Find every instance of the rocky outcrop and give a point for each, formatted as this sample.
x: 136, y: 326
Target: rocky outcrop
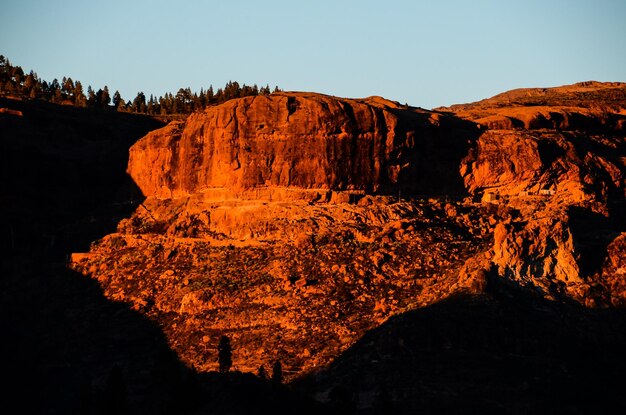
x: 303, y: 140
x: 575, y: 167
x: 293, y: 281
x: 556, y: 167
x: 296, y: 222
x: 539, y: 254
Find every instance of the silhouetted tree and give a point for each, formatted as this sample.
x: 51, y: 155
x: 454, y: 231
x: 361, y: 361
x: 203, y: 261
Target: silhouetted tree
x: 30, y: 84
x: 262, y: 373
x: 150, y: 109
x: 277, y: 372
x: 54, y: 85
x: 14, y: 82
x: 54, y: 91
x: 79, y: 96
x: 105, y: 99
x: 117, y: 99
x: 91, y: 97
x: 183, y: 99
x: 139, y: 103
x: 17, y: 74
x: 224, y: 354
x: 67, y: 89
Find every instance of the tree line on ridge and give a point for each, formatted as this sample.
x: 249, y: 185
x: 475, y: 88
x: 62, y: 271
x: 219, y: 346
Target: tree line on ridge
x: 14, y: 82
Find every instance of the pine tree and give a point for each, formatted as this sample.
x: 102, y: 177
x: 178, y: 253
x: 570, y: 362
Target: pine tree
x: 277, y: 372
x: 117, y: 99
x: 91, y: 97
x: 139, y: 103
x: 210, y: 96
x: 150, y: 108
x: 31, y: 85
x: 30, y: 81
x: 98, y: 102
x: 67, y: 88
x: 79, y: 96
x: 17, y: 74
x: 54, y: 90
x: 224, y: 354
x: 105, y: 100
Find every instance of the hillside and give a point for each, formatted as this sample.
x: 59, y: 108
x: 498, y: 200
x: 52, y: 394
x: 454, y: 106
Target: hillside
x: 393, y: 259
x: 298, y: 223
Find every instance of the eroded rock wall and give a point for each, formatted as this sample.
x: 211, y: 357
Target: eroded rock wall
x: 303, y: 140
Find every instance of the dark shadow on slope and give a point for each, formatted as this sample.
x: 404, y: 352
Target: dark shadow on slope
x: 611, y: 148
x: 245, y: 393
x: 64, y: 172
x: 504, y: 353
x: 592, y: 233
x: 68, y: 349
x: 63, y: 169
x: 430, y: 161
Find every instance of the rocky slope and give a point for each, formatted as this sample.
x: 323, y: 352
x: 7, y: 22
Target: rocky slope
x: 583, y: 106
x: 296, y: 223
x: 566, y: 182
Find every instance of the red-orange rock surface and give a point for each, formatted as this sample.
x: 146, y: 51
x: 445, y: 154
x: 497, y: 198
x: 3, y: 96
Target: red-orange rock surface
x: 271, y: 219
x: 301, y: 139
x: 583, y: 106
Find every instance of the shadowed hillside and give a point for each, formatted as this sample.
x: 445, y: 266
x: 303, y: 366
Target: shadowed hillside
x: 392, y: 259
x: 68, y: 349
x: 504, y: 352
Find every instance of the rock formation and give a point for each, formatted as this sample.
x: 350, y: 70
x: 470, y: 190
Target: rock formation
x: 304, y: 140
x: 296, y: 222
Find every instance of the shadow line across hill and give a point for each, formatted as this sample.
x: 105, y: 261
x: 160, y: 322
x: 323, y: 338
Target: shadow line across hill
x: 65, y: 345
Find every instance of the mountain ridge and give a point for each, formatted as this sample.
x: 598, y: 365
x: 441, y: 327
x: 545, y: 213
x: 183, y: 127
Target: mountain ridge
x: 276, y: 192
x: 515, y: 228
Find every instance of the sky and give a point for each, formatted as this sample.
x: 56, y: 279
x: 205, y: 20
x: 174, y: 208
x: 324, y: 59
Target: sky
x: 423, y: 53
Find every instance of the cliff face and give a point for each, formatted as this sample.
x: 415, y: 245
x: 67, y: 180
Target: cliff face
x: 297, y: 222
x: 576, y: 166
x: 559, y: 168
x: 304, y: 140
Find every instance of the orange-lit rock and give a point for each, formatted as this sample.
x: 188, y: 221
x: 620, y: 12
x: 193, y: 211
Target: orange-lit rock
x: 304, y: 140
x: 573, y: 166
x: 299, y: 221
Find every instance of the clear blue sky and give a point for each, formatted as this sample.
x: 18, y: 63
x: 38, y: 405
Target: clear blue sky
x: 425, y: 53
